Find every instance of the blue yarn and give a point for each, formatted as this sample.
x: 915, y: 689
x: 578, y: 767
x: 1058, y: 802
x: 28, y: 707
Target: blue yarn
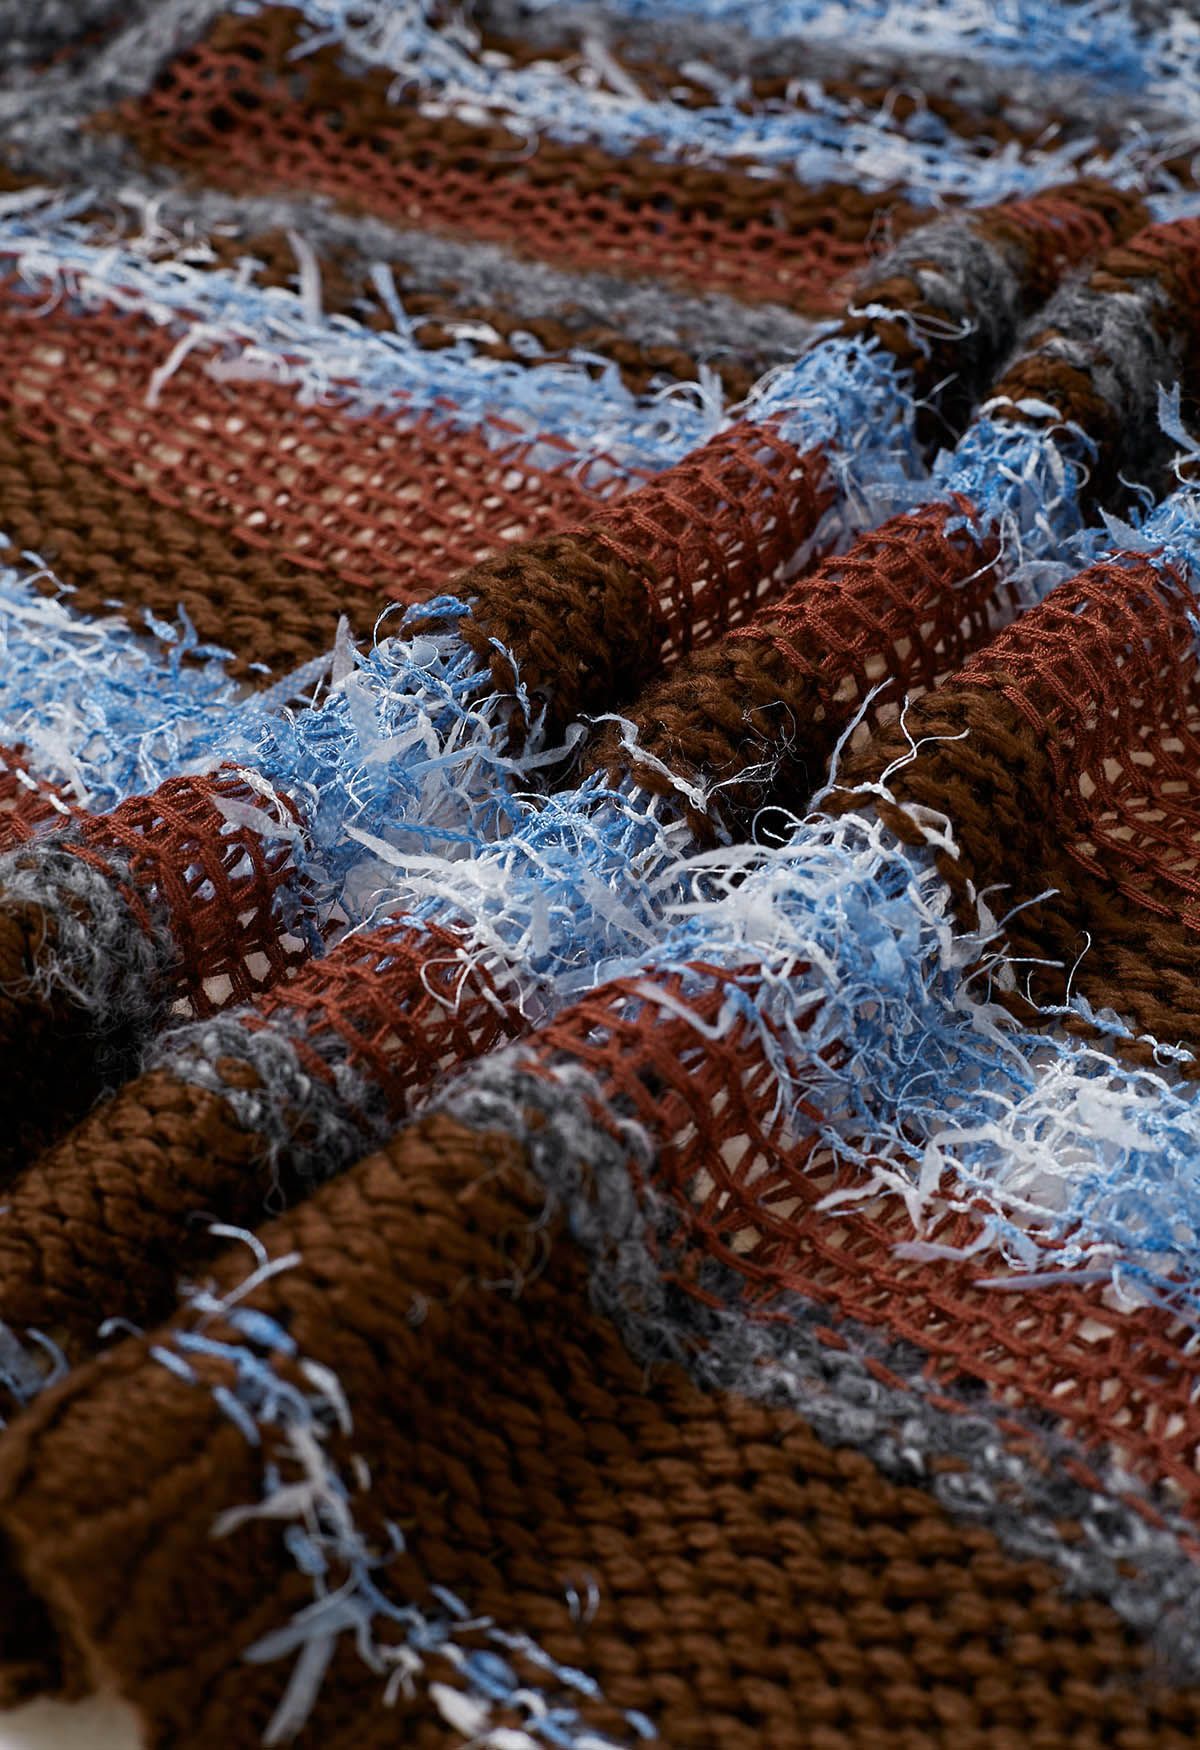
x: 575, y: 891
x: 875, y: 1012
x: 248, y: 331
x: 405, y: 750
x: 1100, y: 41
x: 850, y: 395
x: 105, y: 712
x: 1025, y: 483
x: 826, y: 140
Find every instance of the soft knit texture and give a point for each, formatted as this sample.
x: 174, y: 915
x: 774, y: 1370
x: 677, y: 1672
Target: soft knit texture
x: 600, y: 871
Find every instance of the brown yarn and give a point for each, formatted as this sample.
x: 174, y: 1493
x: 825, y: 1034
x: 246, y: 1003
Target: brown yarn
x: 747, y: 1575
x: 594, y: 612
x: 263, y: 519
x: 581, y: 621
x: 104, y: 1224
x: 402, y: 1006
x: 116, y: 1214
x: 713, y: 533
x: 53, y: 1066
x: 308, y: 122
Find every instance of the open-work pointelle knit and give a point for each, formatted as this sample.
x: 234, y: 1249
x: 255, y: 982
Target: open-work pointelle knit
x: 599, y: 884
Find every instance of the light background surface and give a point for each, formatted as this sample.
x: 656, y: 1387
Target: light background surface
x: 53, y: 1725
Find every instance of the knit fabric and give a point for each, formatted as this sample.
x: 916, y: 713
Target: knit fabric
x: 600, y: 871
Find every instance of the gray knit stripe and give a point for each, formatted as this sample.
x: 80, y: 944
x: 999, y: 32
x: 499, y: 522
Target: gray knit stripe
x: 311, y: 1128
x: 970, y: 280
x: 1118, y: 340
x: 122, y: 67
x: 478, y: 274
x: 103, y: 961
x: 1142, y: 1571
x: 33, y: 30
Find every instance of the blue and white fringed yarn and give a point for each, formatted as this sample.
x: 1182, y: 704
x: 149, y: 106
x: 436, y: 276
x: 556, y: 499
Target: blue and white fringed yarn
x: 406, y: 747
x: 873, y: 1008
x: 847, y: 397
x: 1103, y: 42
x: 600, y: 102
x: 104, y: 712
x: 250, y: 333
x: 576, y: 890
x: 409, y: 749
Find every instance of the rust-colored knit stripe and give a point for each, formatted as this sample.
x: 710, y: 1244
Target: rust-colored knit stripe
x: 747, y: 1575
x: 906, y: 603
x: 758, y: 237
x: 1078, y: 774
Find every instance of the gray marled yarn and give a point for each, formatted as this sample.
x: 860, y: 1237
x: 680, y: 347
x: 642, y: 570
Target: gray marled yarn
x: 1142, y: 1571
x: 34, y: 30
x: 1114, y: 338
x: 711, y: 324
x: 59, y: 98
x: 316, y: 1127
x: 968, y: 279
x: 103, y: 960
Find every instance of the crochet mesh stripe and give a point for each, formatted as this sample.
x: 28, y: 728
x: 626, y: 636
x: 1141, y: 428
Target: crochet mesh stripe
x: 230, y: 110
x: 600, y: 872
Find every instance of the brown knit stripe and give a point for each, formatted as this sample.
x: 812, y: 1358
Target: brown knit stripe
x: 108, y: 1218
x: 101, y: 1226
x: 758, y: 237
x: 747, y: 1575
x: 40, y: 1032
x: 263, y: 519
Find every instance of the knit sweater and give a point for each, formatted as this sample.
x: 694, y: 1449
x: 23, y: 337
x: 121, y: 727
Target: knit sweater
x: 600, y: 871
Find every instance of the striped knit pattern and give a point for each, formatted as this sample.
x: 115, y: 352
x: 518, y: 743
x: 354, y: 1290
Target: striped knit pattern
x: 600, y: 871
